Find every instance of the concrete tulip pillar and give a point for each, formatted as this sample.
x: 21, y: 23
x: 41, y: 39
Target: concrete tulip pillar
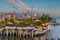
x: 32, y: 32
x: 7, y: 32
x: 16, y: 32
x: 20, y: 33
x: 26, y: 34
x: 1, y: 33
x: 10, y: 33
x: 13, y: 32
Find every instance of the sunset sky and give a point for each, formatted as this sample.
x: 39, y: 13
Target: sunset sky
x: 51, y: 7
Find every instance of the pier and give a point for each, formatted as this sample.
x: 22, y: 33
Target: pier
x: 20, y: 31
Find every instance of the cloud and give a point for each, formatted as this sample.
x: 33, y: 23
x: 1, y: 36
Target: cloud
x: 19, y: 4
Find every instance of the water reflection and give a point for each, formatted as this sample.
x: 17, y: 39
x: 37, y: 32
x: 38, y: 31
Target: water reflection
x: 45, y: 36
x: 18, y: 38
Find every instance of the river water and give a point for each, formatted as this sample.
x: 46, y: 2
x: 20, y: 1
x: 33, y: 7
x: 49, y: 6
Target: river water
x: 49, y: 35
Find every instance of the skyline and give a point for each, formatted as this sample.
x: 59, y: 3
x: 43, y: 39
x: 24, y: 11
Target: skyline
x: 42, y: 6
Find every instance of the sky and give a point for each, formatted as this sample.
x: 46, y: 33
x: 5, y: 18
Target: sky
x: 51, y: 7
